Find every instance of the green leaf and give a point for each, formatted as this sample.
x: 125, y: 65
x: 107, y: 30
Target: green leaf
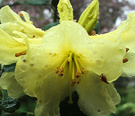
x: 50, y: 25
x: 28, y: 104
x: 127, y: 109
x: 8, y: 68
x: 9, y: 104
x: 0, y: 70
x: 1, y: 93
x: 34, y: 2
x: 20, y: 114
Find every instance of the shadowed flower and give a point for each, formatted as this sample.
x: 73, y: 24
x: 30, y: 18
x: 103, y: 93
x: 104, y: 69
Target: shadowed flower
x: 67, y: 60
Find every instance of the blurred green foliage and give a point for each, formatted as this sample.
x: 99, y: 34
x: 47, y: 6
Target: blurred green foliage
x: 8, y: 68
x: 33, y: 2
x: 8, y: 104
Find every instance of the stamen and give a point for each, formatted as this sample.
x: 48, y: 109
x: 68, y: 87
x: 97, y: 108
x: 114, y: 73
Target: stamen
x: 20, y: 14
x: 73, y: 82
x: 103, y: 78
x: 62, y: 69
x: 83, y: 70
x: 78, y: 74
x: 20, y: 53
x: 75, y: 20
x: 78, y: 81
x: 127, y: 49
x: 60, y: 74
x: 73, y: 64
x: 78, y: 71
x: 125, y: 60
x: 63, y: 65
x: 79, y: 61
x: 56, y: 70
x: 93, y: 32
x: 70, y: 57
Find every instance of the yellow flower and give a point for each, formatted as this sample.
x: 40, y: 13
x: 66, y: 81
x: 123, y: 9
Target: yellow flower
x: 14, y: 31
x: 126, y: 30
x: 66, y: 60
x: 128, y: 37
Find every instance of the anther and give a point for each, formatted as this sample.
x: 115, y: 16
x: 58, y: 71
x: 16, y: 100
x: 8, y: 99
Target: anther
x: 56, y: 70
x: 125, y: 60
x: 83, y: 70
x: 75, y: 20
x: 73, y: 82
x: 78, y: 74
x: 103, y: 78
x: 62, y: 69
x: 60, y: 74
x: 93, y: 32
x: 78, y: 81
x: 20, y: 53
x: 127, y: 49
x: 20, y: 14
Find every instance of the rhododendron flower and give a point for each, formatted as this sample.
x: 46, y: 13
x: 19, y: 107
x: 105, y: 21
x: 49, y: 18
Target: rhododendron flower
x: 66, y: 60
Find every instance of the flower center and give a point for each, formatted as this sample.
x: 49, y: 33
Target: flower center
x: 73, y: 64
x: 75, y: 67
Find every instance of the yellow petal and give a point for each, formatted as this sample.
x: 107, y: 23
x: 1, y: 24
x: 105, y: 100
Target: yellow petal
x: 68, y: 36
x: 36, y: 74
x: 8, y: 82
x: 25, y: 15
x: 10, y: 27
x: 128, y: 37
x: 8, y: 48
x: 10, y: 17
x: 95, y: 97
x: 51, y: 92
x: 22, y: 38
x: 106, y: 56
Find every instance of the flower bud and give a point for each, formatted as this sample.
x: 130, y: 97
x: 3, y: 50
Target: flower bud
x: 89, y: 17
x: 65, y: 10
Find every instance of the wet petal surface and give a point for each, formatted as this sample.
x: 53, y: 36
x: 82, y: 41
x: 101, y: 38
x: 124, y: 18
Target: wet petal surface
x: 96, y: 98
